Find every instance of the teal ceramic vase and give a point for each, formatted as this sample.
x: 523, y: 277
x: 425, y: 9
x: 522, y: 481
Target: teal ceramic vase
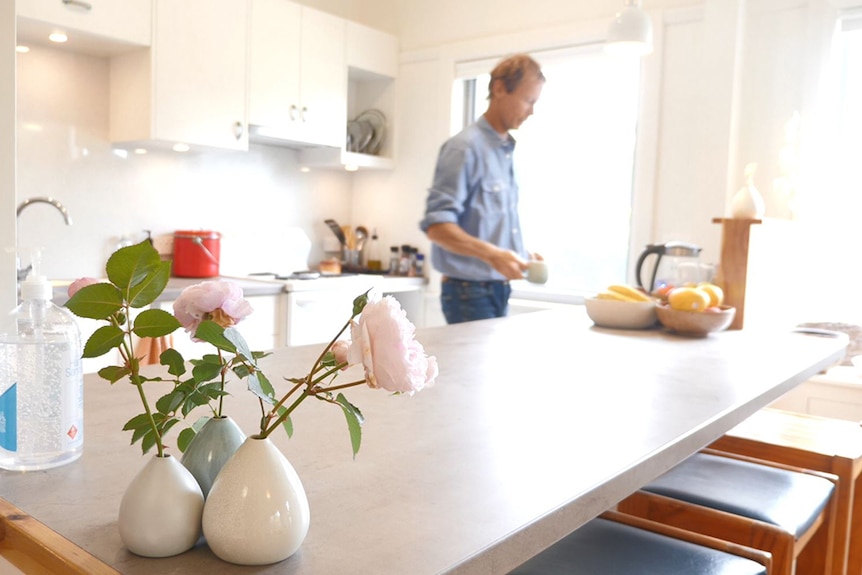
x: 210, y: 449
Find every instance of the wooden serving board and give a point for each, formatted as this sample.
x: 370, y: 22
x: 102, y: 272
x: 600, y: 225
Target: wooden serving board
x: 28, y: 546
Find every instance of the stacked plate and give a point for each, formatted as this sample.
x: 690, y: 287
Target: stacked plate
x: 365, y: 134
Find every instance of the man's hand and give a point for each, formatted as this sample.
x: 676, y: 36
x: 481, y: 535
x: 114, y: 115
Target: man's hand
x: 454, y: 239
x: 508, y: 263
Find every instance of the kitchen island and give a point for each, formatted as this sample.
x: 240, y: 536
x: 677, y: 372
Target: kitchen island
x: 536, y: 424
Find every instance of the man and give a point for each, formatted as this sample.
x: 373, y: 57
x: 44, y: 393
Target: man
x: 471, y: 214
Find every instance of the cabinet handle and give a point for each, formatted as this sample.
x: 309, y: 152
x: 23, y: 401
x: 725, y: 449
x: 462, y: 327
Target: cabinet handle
x: 302, y: 115
x: 238, y: 131
x: 78, y: 4
x: 292, y: 112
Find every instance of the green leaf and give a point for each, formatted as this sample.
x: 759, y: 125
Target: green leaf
x: 354, y: 421
x: 174, y: 360
x: 170, y: 402
x: 97, y: 301
x: 239, y: 344
x: 148, y: 442
x: 211, y: 332
x: 151, y: 287
x: 287, y: 424
x: 259, y: 385
x: 155, y: 323
x: 185, y: 438
x: 114, y: 373
x: 202, y: 395
x: 139, y: 273
x: 206, y: 371
x: 136, y: 422
x: 103, y: 340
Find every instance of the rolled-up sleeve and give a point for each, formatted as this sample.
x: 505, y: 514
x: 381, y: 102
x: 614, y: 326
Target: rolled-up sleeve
x: 450, y: 189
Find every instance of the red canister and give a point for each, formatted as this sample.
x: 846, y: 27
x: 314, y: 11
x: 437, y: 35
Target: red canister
x: 196, y: 254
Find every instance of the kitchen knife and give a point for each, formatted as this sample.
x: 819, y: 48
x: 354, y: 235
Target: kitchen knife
x: 336, y: 229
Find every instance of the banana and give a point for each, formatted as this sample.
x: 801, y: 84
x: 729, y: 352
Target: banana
x: 629, y: 292
x: 613, y: 296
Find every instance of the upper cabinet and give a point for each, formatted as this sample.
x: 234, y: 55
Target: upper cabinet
x: 190, y: 87
x: 297, y: 75
x: 372, y: 67
x: 100, y: 27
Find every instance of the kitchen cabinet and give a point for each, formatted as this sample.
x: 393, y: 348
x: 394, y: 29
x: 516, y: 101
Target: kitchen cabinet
x: 372, y: 69
x: 297, y: 74
x: 190, y: 87
x: 96, y: 26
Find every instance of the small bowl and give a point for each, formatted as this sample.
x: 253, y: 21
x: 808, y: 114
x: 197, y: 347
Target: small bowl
x: 695, y: 323
x: 621, y: 314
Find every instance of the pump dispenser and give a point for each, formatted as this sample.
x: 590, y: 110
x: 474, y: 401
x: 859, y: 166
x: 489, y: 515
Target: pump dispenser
x: 41, y: 383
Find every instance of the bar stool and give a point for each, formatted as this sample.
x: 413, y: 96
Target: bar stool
x: 818, y: 443
x: 788, y: 512
x: 618, y: 544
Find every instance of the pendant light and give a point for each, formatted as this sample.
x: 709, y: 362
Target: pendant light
x: 630, y: 32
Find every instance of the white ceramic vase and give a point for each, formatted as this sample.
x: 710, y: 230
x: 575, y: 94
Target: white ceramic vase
x: 160, y: 513
x: 257, y: 511
x: 210, y: 449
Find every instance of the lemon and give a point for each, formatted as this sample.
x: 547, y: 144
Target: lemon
x: 688, y: 299
x: 716, y: 294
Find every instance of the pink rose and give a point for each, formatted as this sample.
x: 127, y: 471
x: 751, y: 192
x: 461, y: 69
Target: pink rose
x: 339, y: 350
x: 219, y: 301
x: 79, y: 283
x: 383, y: 342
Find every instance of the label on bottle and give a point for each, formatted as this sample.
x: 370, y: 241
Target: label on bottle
x: 9, y: 419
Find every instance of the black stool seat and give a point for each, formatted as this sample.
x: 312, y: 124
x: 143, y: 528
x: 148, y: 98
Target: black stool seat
x: 603, y: 547
x: 788, y: 499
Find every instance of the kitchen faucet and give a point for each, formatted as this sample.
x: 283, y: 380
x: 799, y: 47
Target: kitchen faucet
x: 22, y: 273
x: 60, y: 207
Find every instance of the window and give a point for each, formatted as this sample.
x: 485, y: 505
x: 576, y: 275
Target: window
x: 830, y: 174
x: 574, y: 162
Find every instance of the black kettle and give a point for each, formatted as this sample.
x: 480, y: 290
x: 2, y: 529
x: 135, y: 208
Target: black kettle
x: 666, y: 269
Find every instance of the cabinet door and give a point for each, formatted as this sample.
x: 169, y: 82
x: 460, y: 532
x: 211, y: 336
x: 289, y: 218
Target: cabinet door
x: 324, y: 78
x: 129, y: 21
x: 199, y: 69
x: 274, y: 66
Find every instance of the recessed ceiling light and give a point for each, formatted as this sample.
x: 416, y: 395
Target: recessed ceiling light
x: 140, y: 151
x: 181, y: 147
x: 58, y: 37
x: 351, y: 167
x: 22, y: 49
x: 304, y: 169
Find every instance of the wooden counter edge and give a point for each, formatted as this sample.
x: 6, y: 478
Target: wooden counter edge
x: 32, y: 547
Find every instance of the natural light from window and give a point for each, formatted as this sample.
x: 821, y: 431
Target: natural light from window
x: 574, y: 162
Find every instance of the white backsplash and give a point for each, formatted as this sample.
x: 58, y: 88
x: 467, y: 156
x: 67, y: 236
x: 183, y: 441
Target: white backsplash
x: 258, y: 200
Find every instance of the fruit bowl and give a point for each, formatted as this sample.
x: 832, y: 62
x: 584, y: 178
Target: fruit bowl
x: 695, y: 323
x: 621, y: 314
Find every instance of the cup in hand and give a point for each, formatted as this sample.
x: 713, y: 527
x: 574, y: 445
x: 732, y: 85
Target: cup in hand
x: 537, y: 272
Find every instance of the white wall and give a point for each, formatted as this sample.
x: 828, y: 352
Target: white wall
x: 8, y: 296
x: 255, y: 199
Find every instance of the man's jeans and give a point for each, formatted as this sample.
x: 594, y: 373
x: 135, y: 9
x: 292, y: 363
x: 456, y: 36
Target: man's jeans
x: 464, y: 300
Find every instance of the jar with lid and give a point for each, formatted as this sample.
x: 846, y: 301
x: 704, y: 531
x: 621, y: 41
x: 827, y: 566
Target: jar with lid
x: 394, y: 260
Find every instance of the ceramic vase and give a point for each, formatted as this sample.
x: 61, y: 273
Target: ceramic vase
x: 257, y: 511
x: 160, y: 513
x: 210, y: 449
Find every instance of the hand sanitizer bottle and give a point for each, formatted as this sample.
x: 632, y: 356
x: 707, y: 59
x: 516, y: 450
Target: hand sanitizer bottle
x: 41, y: 383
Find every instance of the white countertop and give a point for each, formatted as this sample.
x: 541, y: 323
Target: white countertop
x: 537, y: 423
